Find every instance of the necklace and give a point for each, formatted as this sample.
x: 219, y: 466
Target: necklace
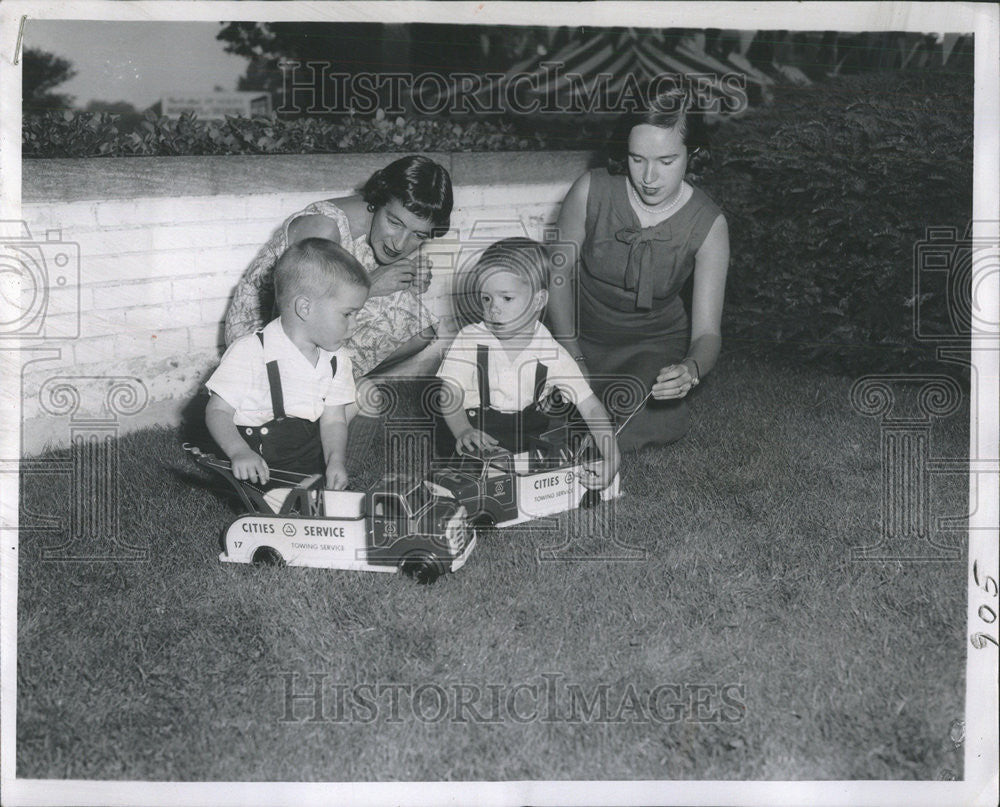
x: 666, y: 208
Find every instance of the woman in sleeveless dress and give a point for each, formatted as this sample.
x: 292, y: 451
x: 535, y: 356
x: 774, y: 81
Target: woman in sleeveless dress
x: 631, y: 238
x: 400, y: 207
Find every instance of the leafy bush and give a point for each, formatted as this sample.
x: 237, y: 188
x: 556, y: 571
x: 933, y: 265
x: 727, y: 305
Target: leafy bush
x: 89, y: 134
x: 828, y: 192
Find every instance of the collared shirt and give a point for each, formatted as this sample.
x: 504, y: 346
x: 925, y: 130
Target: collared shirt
x: 241, y: 378
x: 511, y: 381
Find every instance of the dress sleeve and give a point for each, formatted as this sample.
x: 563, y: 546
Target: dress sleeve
x: 255, y: 290
x: 245, y: 315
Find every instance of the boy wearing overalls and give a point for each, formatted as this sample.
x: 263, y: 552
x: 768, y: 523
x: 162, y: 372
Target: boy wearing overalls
x: 498, y: 373
x: 282, y: 397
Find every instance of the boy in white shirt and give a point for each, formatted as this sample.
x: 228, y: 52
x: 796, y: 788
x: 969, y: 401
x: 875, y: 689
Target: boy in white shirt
x: 282, y: 397
x: 498, y: 373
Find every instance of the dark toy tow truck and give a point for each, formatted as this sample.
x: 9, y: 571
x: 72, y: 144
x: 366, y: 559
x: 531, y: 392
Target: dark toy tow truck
x: 398, y: 524
x: 499, y: 488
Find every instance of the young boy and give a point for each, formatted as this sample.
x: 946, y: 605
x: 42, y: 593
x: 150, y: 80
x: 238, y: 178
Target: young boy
x: 280, y: 397
x: 498, y: 373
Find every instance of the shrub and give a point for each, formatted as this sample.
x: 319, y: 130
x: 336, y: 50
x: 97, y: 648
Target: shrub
x: 92, y: 134
x: 827, y: 193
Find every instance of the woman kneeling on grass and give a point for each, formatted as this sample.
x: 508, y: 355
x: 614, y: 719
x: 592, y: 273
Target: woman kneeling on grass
x: 635, y: 233
x: 400, y: 207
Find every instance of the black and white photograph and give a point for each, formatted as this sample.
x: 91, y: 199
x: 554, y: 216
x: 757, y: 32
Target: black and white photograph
x: 499, y: 403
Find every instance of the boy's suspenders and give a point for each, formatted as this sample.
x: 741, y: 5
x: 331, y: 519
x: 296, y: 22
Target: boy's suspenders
x: 483, y: 378
x: 274, y: 382
x: 541, y: 376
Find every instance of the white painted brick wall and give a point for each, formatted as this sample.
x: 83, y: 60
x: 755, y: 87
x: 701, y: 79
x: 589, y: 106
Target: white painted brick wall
x: 155, y: 278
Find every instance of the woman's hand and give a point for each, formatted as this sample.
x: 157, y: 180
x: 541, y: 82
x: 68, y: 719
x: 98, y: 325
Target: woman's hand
x: 406, y: 273
x: 674, y: 381
x: 391, y: 278
x: 421, y: 275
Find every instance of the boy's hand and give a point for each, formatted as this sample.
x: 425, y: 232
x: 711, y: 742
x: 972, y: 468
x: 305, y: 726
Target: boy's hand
x: 597, y: 475
x: 472, y: 439
x: 336, y: 475
x: 249, y: 466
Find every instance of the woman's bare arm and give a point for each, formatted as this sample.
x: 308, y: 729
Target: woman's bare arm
x: 565, y: 257
x: 710, y: 269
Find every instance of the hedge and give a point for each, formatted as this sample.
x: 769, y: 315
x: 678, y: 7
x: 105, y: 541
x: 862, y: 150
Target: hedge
x: 93, y: 134
x: 828, y: 195
x: 829, y: 192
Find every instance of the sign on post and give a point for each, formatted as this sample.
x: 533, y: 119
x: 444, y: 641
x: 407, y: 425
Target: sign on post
x: 216, y: 105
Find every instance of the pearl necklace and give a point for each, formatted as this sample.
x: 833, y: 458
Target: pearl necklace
x: 654, y: 210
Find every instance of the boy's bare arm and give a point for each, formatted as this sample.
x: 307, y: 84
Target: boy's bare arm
x: 247, y: 463
x: 604, y: 435
x: 333, y: 434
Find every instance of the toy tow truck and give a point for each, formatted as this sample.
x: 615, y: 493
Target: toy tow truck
x: 500, y: 488
x: 399, y: 524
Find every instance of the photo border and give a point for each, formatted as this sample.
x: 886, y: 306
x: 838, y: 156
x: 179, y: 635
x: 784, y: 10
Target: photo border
x: 979, y: 785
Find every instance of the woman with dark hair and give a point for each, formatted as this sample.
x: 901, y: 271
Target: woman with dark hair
x: 631, y: 237
x: 400, y: 206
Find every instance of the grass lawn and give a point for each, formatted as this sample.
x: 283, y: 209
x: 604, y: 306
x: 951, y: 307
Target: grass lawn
x: 767, y: 651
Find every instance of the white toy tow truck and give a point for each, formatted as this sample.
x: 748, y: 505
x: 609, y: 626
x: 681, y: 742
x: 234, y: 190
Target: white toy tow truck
x: 399, y: 524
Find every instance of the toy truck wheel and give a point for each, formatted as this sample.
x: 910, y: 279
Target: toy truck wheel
x: 591, y: 499
x: 484, y: 519
x: 267, y: 556
x: 422, y: 566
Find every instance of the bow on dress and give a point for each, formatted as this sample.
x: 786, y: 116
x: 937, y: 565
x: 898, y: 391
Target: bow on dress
x: 639, y: 269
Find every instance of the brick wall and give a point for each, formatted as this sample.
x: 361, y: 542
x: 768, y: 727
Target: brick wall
x: 128, y: 332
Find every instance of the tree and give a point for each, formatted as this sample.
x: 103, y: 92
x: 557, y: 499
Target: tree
x: 112, y: 107
x: 346, y: 49
x: 41, y: 72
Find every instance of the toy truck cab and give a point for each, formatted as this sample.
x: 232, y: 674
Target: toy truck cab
x: 414, y: 527
x: 398, y: 524
x: 502, y: 489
